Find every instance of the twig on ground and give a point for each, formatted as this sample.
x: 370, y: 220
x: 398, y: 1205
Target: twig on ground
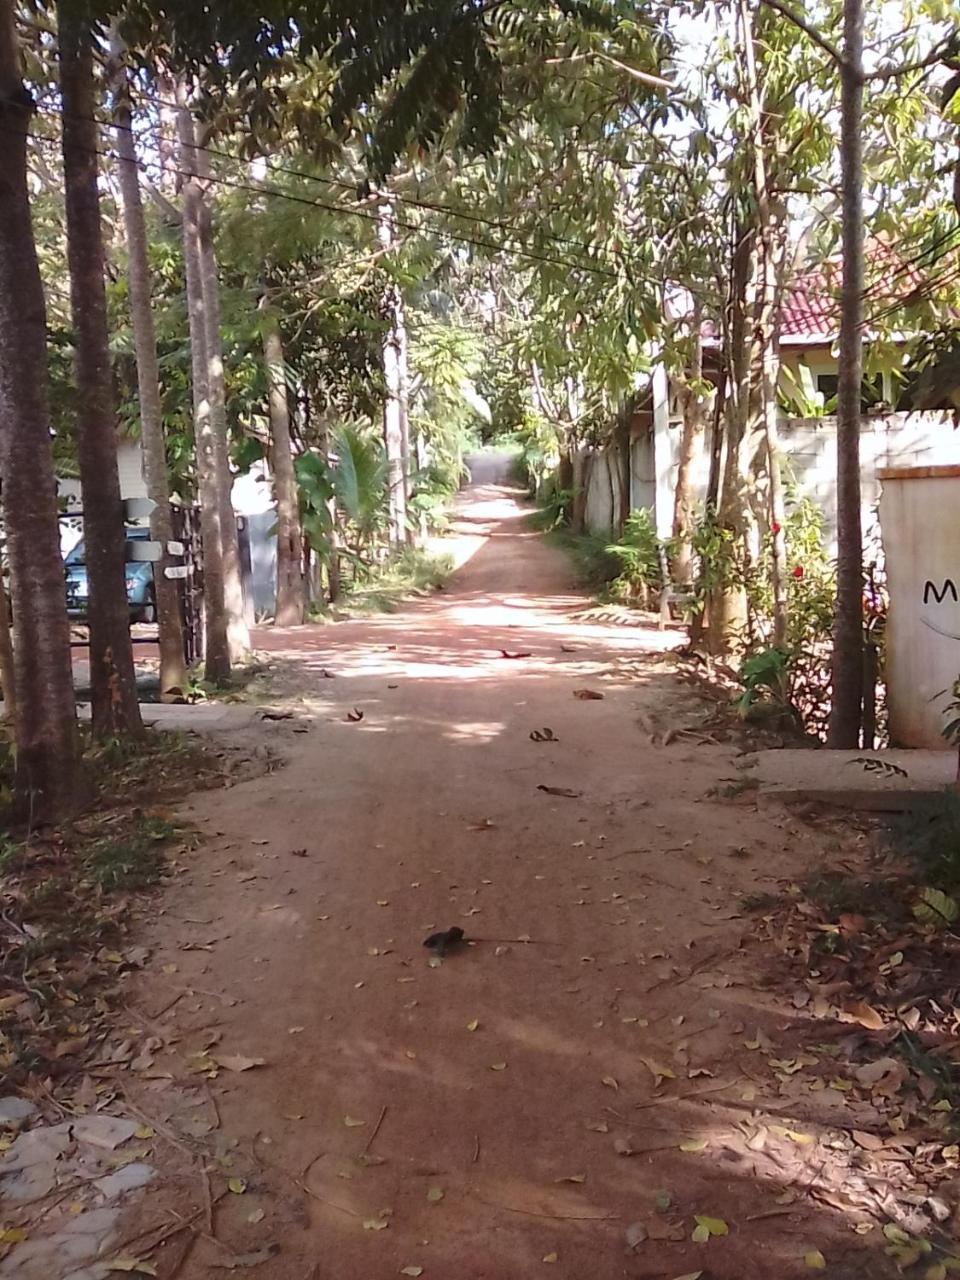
x: 556, y: 1217
x: 376, y: 1130
x: 683, y: 1097
x: 476, y: 1147
x: 207, y: 1198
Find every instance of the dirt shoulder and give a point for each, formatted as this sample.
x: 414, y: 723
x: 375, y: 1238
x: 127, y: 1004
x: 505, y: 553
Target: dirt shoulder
x: 614, y: 1078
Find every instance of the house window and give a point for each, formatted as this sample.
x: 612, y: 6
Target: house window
x: 871, y: 391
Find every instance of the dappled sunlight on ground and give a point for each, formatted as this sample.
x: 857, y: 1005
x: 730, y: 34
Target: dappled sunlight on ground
x: 601, y: 1065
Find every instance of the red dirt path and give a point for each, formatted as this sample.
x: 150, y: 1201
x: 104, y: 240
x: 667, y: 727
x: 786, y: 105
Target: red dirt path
x: 624, y: 1019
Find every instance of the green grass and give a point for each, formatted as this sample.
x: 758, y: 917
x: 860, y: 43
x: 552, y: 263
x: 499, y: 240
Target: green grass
x: 595, y: 565
x: 385, y: 588
x: 133, y: 860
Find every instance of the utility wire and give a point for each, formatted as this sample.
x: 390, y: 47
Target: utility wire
x: 274, y: 168
x: 273, y: 192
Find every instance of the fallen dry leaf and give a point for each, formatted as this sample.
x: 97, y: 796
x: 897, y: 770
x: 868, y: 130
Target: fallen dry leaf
x: 435, y: 1195
x: 411, y: 1271
x: 133, y: 1266
x: 352, y: 1123
x: 236, y: 1061
x: 588, y: 695
x: 864, y: 1014
x: 567, y: 792
x: 551, y: 1257
x: 815, y: 1260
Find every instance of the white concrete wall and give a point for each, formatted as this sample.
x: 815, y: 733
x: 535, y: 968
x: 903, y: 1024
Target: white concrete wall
x: 921, y: 538
x: 809, y: 452
x: 599, y: 516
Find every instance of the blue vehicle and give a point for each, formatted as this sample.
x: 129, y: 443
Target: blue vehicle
x: 141, y: 594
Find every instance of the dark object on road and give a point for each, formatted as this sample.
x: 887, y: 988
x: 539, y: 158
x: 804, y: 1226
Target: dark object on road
x: 560, y: 791
x: 355, y: 716
x: 276, y: 715
x: 505, y: 653
x: 444, y: 941
x: 588, y: 695
x: 543, y: 735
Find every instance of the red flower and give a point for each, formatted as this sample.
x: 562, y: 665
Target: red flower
x: 774, y: 528
x: 798, y: 571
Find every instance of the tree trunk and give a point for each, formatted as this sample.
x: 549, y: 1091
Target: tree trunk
x: 578, y: 516
x: 393, y: 404
x: 691, y: 440
x: 8, y: 678
x: 772, y: 235
x: 403, y: 353
x: 217, y: 645
x: 173, y: 672
x: 290, y: 604
x: 115, y: 710
x: 47, y: 760
x: 845, y: 712
x: 237, y: 632
x: 727, y: 604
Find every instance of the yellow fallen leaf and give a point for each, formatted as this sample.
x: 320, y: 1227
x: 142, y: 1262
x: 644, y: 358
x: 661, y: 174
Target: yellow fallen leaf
x: 258, y: 1215
x: 551, y: 1257
x: 936, y: 1271
x: 12, y: 1235
x: 144, y: 1132
x: 815, y: 1260
x: 435, y: 1195
x: 712, y: 1226
x: 411, y: 1271
x: 473, y: 1024
x: 375, y: 1224
x: 694, y: 1145
x: 498, y: 1066
x: 351, y: 1123
x: 610, y: 1082
x: 237, y: 1186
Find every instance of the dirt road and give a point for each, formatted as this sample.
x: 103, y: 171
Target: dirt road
x: 569, y: 1092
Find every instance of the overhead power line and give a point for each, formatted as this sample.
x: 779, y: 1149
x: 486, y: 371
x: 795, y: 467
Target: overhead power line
x: 366, y: 215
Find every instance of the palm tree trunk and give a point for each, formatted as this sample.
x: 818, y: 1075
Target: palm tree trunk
x: 217, y: 644
x: 113, y: 684
x: 290, y: 603
x: 237, y: 632
x: 173, y: 672
x: 845, y: 712
x: 48, y: 759
x: 393, y: 403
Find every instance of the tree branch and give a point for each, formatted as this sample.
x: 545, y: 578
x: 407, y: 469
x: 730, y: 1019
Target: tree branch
x: 799, y: 21
x: 935, y: 55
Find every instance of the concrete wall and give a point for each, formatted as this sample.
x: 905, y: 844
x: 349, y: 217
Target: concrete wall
x: 809, y: 452
x: 600, y: 516
x: 921, y: 538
